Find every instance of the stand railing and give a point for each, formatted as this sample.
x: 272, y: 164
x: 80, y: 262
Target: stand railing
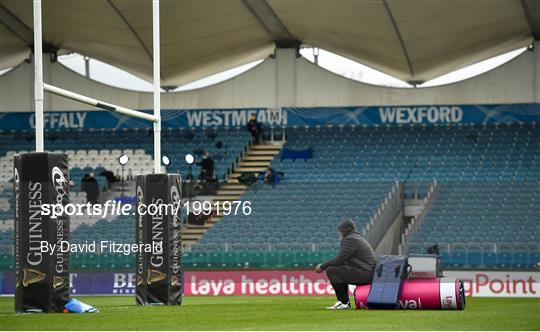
x: 237, y: 160
x: 379, y: 223
x: 415, y: 223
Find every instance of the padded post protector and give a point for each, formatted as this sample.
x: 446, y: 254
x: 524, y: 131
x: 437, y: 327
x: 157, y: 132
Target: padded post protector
x: 159, y: 274
x: 434, y: 294
x: 388, y: 277
x: 41, y: 279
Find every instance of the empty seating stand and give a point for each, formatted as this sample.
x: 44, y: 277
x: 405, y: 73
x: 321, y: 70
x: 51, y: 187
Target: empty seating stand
x: 484, y: 216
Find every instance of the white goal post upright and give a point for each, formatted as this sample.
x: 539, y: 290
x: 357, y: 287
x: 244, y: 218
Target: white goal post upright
x: 38, y: 76
x: 40, y: 87
x: 157, y: 87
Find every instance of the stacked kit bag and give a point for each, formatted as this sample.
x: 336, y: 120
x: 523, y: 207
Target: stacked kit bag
x: 410, y: 282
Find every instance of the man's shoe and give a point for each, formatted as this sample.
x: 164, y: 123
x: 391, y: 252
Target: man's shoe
x: 340, y: 306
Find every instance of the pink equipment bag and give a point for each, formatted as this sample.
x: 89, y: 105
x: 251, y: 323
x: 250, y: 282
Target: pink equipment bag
x: 434, y: 294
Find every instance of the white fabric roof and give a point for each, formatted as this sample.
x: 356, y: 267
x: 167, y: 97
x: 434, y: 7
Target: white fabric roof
x: 411, y: 40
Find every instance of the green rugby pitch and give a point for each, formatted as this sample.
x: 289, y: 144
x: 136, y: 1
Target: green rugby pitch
x: 275, y: 313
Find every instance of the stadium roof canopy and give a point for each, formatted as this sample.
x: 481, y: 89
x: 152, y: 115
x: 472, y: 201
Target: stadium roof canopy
x: 412, y: 40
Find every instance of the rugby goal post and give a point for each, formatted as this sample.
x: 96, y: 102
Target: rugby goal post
x: 40, y: 87
x: 42, y: 280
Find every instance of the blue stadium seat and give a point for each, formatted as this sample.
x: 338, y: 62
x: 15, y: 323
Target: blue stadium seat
x: 504, y: 260
x: 490, y: 260
x: 520, y: 260
x: 474, y: 259
x: 458, y: 259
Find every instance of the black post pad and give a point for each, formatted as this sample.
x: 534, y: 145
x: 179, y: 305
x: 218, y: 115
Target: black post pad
x: 41, y: 279
x: 159, y: 274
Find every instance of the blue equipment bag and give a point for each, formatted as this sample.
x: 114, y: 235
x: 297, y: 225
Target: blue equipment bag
x: 388, y: 277
x: 78, y: 307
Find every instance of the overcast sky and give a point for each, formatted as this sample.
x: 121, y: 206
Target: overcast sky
x: 113, y: 76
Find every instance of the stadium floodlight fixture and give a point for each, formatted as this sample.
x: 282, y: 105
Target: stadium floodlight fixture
x: 165, y: 160
x: 189, y: 159
x: 123, y: 159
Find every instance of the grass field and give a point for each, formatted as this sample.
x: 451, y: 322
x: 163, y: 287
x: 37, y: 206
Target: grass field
x: 275, y: 313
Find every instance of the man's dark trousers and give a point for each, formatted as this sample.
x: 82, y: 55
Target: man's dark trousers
x: 342, y: 276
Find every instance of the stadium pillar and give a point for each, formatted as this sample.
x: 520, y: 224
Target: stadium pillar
x: 41, y: 276
x: 159, y: 273
x: 286, y: 91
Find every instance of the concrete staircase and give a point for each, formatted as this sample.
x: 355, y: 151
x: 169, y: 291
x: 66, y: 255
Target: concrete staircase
x: 255, y: 159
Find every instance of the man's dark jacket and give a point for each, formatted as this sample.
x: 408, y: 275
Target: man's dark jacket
x: 253, y: 126
x: 207, y: 164
x: 355, y: 251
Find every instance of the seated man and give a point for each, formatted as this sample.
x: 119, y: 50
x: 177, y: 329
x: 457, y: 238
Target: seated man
x: 207, y: 167
x: 111, y: 178
x: 354, y: 264
x: 270, y: 177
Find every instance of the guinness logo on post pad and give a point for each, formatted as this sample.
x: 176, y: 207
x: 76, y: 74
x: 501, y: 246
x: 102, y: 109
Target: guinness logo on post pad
x: 32, y: 276
x: 57, y: 281
x: 154, y: 275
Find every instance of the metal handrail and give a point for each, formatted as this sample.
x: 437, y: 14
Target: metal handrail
x: 415, y: 223
x: 381, y: 221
